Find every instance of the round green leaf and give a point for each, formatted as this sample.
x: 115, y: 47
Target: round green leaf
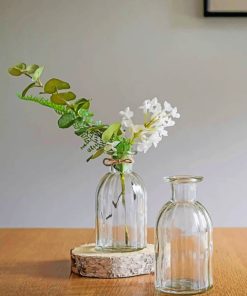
x: 86, y: 105
x: 31, y: 68
x: 56, y: 99
x: 66, y: 120
x: 21, y: 66
x: 82, y: 104
x: 38, y: 73
x: 61, y: 98
x: 68, y: 96
x: 14, y: 71
x: 81, y: 101
x: 55, y: 84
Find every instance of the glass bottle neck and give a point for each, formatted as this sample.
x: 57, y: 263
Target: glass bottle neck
x: 122, y: 168
x: 123, y: 165
x: 184, y: 192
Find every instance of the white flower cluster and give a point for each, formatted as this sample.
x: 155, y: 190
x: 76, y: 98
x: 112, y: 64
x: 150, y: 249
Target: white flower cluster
x: 157, y: 119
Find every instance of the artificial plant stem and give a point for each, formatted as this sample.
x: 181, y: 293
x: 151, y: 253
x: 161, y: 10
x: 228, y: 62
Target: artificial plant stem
x: 122, y: 177
x: 45, y: 102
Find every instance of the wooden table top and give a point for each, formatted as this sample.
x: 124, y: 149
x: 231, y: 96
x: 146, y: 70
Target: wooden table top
x: 37, y: 262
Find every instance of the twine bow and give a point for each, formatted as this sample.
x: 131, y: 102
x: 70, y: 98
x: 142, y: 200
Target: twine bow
x: 111, y: 161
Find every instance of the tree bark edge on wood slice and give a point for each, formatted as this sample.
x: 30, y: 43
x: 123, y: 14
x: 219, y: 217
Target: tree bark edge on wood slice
x: 88, y: 262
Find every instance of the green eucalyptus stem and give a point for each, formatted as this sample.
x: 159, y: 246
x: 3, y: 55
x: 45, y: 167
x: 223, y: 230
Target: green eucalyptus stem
x: 73, y: 111
x: 44, y: 102
x: 122, y: 178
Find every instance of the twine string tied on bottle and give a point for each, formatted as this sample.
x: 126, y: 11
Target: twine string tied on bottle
x: 111, y: 161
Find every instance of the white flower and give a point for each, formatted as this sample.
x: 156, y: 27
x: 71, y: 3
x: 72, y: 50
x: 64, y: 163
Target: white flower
x: 174, y: 113
x: 157, y: 119
x: 143, y: 146
x: 111, y: 146
x: 138, y: 127
x: 126, y: 120
x: 127, y: 113
x: 170, y: 122
x: 155, y: 139
x: 146, y: 106
x: 167, y: 106
x: 155, y: 106
x: 160, y: 119
x: 126, y: 123
x: 162, y: 131
x: 152, y: 106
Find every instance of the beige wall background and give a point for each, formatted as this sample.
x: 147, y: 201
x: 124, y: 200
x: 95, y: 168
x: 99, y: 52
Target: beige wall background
x: 120, y: 53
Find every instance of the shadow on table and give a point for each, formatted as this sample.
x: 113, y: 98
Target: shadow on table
x: 42, y: 269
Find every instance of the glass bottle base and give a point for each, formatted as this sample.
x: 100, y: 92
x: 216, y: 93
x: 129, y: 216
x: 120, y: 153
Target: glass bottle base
x: 182, y: 287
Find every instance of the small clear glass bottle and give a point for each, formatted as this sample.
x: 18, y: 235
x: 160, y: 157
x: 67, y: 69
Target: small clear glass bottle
x: 184, y: 245
x: 121, y: 210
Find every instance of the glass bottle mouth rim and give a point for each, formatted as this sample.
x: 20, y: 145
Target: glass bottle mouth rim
x: 183, y: 179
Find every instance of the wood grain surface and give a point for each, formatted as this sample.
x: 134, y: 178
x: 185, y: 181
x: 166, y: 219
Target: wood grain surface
x: 37, y: 262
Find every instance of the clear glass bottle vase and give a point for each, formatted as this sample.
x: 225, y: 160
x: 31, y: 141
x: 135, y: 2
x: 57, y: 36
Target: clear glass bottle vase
x: 183, y: 247
x: 121, y: 210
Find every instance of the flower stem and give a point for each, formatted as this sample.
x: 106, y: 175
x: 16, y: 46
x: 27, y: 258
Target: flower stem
x: 122, y: 177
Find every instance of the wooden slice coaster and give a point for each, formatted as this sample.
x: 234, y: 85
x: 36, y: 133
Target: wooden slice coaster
x: 88, y: 262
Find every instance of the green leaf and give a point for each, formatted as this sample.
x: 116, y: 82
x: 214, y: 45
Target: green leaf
x: 56, y: 99
x: 31, y: 68
x: 21, y: 66
x: 83, y: 112
x: 66, y: 120
x: 86, y: 105
x: 46, y: 103
x: 96, y: 154
x: 110, y: 131
x: 68, y: 96
x: 123, y: 148
x: 38, y: 73
x: 27, y: 88
x: 79, y: 123
x: 81, y: 131
x: 82, y: 103
x: 17, y: 70
x: 61, y: 98
x: 14, y: 71
x: 55, y: 84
